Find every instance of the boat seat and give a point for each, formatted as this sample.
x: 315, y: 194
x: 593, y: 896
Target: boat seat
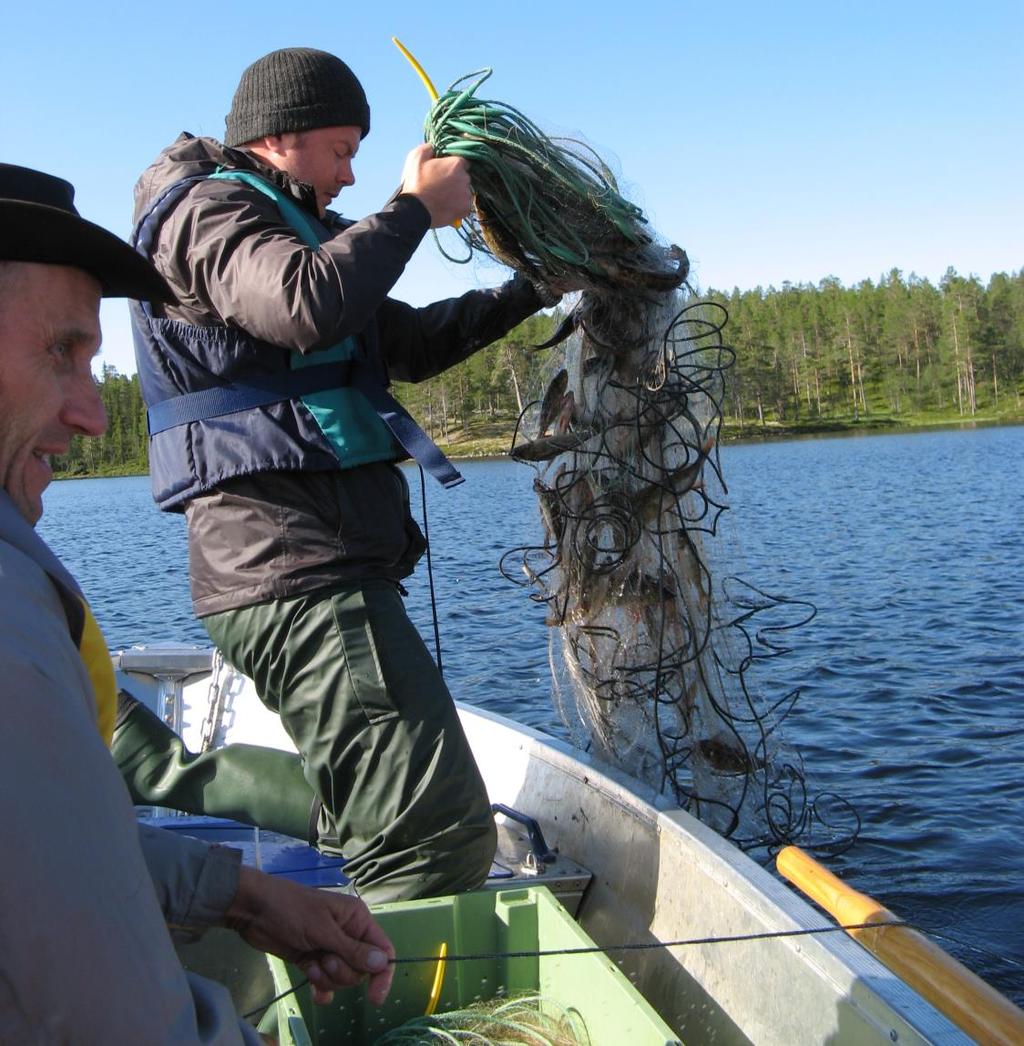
x: 522, y: 858
x: 270, y: 852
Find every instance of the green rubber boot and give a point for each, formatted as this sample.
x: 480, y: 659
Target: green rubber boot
x: 258, y: 786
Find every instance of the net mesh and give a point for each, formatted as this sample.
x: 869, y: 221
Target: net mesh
x: 529, y: 1020
x: 653, y: 635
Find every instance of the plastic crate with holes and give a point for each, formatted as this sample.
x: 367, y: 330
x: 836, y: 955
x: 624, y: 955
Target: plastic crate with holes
x: 585, y: 992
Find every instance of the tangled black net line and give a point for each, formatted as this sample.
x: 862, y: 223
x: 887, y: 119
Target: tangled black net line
x: 651, y: 649
x: 651, y: 655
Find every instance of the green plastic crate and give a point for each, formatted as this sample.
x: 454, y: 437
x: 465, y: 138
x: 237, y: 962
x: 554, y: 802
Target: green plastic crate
x: 484, y: 922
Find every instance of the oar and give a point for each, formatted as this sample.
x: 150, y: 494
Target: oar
x: 968, y: 1001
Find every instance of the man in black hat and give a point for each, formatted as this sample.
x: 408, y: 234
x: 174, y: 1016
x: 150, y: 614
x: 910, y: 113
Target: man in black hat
x: 85, y: 953
x: 273, y: 431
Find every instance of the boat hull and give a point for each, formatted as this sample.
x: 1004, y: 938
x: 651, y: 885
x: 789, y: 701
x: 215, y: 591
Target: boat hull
x: 659, y: 875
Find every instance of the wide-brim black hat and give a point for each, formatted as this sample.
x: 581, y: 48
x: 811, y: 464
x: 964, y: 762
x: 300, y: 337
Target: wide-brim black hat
x: 39, y: 223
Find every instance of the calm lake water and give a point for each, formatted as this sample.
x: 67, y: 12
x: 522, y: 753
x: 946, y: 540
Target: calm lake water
x: 912, y: 672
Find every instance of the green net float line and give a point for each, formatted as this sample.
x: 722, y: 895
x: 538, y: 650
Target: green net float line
x: 548, y: 207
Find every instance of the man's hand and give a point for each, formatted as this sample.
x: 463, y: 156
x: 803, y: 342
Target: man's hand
x: 440, y: 183
x: 332, y: 937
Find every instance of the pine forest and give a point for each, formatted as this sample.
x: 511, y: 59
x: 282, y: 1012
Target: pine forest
x: 898, y: 352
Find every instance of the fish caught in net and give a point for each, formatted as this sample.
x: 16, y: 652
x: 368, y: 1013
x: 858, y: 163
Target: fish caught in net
x: 653, y: 634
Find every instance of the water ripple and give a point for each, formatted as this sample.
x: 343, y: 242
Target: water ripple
x: 911, y: 676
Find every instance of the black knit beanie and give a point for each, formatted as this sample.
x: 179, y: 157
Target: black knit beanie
x: 295, y: 89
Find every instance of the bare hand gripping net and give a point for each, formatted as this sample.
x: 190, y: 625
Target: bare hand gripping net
x: 652, y: 636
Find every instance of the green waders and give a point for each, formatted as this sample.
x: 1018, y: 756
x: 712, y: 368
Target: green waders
x: 381, y: 741
x: 261, y: 786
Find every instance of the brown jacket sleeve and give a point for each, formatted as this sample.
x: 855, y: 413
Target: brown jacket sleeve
x: 232, y: 259
x: 416, y: 344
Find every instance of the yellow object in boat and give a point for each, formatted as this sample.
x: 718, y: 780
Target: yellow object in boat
x: 435, y: 988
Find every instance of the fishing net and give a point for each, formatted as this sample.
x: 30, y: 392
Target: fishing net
x: 527, y: 1020
x: 653, y: 635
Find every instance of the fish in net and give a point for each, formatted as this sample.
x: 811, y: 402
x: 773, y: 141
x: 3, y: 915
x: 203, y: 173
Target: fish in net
x: 653, y: 636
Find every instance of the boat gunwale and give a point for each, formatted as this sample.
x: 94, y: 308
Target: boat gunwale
x: 882, y: 999
x: 843, y: 962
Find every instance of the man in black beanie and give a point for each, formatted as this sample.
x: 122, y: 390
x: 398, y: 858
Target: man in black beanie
x: 273, y: 431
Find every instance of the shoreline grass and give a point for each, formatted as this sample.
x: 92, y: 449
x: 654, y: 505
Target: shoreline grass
x: 492, y: 439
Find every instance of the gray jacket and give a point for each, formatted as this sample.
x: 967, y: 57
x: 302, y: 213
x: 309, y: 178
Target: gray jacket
x: 85, y: 895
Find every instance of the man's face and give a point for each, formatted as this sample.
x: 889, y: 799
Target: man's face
x: 321, y: 158
x: 49, y: 333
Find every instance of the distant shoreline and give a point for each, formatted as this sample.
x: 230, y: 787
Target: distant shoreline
x: 496, y: 447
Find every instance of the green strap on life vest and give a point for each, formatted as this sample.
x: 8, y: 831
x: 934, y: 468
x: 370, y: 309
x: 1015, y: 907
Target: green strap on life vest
x: 351, y: 426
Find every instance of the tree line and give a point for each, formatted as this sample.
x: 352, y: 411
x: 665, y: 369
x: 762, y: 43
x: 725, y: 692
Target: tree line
x: 124, y: 448
x: 897, y: 348
x: 805, y: 353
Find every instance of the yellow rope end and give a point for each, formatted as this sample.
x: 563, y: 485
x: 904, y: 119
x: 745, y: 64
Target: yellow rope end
x: 427, y: 83
x: 432, y: 91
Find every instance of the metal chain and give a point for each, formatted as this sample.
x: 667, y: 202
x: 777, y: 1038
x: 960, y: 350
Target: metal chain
x: 216, y: 700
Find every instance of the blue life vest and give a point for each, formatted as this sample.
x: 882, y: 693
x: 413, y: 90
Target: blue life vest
x: 223, y: 403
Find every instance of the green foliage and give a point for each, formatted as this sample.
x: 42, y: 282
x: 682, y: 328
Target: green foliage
x: 810, y: 356
x: 489, y: 389
x: 123, y: 449
x: 900, y: 349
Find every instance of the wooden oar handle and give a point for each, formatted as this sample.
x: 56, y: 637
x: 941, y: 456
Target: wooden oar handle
x: 985, y: 1014
x: 842, y: 902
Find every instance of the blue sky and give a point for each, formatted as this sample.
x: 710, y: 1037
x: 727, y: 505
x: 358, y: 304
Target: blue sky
x: 774, y: 142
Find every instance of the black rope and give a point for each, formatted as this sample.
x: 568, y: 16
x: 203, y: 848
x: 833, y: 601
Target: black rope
x: 549, y: 952
x: 261, y: 1009
x: 986, y: 952
x: 624, y: 507
x: 734, y: 939
x: 430, y: 573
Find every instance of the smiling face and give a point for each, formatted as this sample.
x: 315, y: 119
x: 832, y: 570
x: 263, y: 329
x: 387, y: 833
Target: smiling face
x: 49, y: 334
x: 321, y: 158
